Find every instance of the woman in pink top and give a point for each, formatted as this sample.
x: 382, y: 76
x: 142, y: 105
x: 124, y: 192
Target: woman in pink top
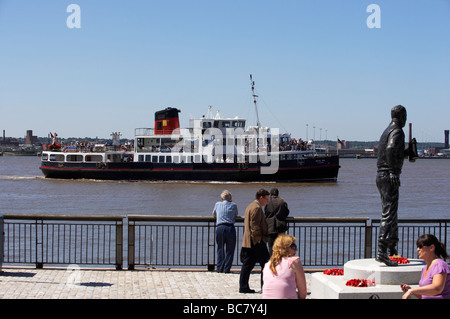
x: 283, y: 274
x: 435, y: 279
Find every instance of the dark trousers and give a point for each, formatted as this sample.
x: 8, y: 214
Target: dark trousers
x: 270, y: 241
x: 258, y: 253
x: 226, y: 244
x: 388, y: 236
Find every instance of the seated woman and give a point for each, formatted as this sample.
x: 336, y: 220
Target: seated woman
x: 283, y: 274
x: 435, y: 279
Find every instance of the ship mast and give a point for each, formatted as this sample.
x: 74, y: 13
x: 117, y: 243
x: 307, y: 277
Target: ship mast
x: 254, y: 101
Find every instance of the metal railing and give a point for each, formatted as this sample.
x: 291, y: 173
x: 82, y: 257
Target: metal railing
x: 329, y: 241
x: 63, y: 239
x: 189, y: 241
x: 170, y: 241
x: 174, y: 241
x: 408, y: 232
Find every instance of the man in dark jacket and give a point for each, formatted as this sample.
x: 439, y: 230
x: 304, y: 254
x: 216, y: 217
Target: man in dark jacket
x: 276, y: 212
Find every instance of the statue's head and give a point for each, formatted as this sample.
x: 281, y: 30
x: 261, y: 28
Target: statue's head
x: 399, y: 112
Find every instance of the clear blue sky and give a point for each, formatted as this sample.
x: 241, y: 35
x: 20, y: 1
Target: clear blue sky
x: 314, y: 62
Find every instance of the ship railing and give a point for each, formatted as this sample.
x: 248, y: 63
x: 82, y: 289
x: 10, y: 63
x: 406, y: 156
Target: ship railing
x: 95, y: 149
x: 190, y: 241
x: 144, y: 131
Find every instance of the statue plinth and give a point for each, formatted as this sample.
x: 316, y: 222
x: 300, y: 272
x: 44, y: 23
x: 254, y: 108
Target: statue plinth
x: 387, y: 280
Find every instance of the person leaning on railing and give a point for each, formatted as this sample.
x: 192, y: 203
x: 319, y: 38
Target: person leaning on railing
x: 225, y: 212
x: 435, y: 279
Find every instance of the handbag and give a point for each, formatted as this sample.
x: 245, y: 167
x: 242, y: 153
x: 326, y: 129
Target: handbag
x: 280, y: 225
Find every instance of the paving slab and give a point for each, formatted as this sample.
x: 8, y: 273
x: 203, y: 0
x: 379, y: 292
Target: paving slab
x: 80, y: 283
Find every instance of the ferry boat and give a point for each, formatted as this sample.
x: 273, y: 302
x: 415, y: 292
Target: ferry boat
x: 212, y: 148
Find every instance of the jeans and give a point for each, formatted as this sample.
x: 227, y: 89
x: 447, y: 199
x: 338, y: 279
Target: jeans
x: 226, y: 244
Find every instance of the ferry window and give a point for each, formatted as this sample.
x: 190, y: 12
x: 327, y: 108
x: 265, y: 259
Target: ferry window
x: 141, y: 158
x: 161, y: 159
x: 94, y: 158
x: 166, y: 141
x: 154, y: 159
x: 225, y: 124
x: 206, y: 124
x: 176, y: 159
x: 44, y: 157
x: 74, y: 158
x: 187, y: 159
x: 216, y: 124
x: 57, y: 158
x: 168, y: 159
x: 197, y: 159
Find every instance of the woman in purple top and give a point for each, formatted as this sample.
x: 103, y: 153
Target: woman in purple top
x: 435, y: 279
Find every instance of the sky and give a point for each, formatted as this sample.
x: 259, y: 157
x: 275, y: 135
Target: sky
x: 322, y: 68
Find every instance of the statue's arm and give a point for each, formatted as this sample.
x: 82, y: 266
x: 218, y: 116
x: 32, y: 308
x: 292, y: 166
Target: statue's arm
x: 395, y: 153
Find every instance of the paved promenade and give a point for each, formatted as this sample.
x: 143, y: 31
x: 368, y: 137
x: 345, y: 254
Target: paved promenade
x: 90, y: 283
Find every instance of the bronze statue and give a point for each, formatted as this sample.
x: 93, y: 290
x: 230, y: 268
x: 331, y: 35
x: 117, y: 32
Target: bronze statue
x: 391, y: 153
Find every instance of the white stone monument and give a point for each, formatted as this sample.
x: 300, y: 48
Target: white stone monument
x: 387, y: 280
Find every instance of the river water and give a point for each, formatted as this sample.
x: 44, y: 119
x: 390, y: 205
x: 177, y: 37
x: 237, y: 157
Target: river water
x: 424, y: 193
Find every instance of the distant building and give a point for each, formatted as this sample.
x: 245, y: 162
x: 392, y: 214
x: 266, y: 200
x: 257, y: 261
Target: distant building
x: 446, y: 139
x: 439, y: 151
x: 343, y: 144
x: 8, y: 141
x: 30, y: 139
